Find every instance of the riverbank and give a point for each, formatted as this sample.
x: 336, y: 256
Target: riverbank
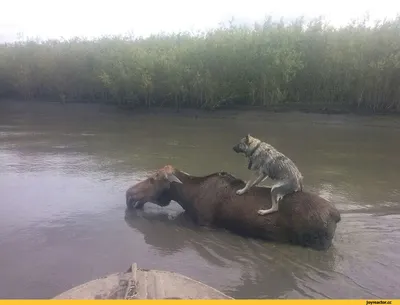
x: 221, y: 111
x: 275, y: 66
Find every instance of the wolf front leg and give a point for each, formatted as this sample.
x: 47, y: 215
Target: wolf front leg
x: 250, y: 184
x: 241, y: 191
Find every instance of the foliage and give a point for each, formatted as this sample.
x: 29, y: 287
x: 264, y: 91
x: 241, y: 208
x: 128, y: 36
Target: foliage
x: 269, y: 64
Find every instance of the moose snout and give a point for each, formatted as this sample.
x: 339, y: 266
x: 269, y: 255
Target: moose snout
x: 131, y: 197
x: 130, y: 200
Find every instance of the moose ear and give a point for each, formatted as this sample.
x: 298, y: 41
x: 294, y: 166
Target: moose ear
x: 173, y: 178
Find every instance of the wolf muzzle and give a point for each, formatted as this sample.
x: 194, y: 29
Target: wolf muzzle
x: 236, y: 148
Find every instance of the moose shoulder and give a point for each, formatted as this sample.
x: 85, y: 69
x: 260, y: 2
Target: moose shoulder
x: 303, y: 218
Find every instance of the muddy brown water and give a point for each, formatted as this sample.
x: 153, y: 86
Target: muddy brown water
x: 64, y: 170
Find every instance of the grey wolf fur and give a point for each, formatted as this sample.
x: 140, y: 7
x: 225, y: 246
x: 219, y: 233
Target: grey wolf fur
x: 267, y: 161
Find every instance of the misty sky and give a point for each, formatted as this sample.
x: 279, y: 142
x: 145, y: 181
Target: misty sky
x: 54, y: 19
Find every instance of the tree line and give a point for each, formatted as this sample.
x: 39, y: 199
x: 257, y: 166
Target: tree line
x: 269, y: 64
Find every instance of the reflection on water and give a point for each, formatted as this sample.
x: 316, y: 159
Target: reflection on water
x: 238, y: 264
x: 64, y: 171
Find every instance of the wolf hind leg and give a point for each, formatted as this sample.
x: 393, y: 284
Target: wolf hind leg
x: 278, y: 191
x: 272, y: 209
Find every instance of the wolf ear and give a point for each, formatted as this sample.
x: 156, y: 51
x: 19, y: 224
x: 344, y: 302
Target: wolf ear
x: 248, y: 138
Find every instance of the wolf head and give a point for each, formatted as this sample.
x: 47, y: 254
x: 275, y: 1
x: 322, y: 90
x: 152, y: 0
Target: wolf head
x: 246, y: 145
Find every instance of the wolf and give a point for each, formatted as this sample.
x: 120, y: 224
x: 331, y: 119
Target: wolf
x: 267, y: 161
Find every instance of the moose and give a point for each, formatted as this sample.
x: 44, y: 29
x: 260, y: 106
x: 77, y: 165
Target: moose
x: 304, y: 218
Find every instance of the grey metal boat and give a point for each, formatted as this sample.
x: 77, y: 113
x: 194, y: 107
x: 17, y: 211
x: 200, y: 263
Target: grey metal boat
x: 138, y: 283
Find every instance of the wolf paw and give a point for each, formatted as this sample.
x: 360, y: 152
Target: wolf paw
x: 265, y: 212
x: 240, y: 192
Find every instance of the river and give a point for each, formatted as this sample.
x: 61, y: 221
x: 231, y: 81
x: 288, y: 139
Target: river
x: 64, y: 170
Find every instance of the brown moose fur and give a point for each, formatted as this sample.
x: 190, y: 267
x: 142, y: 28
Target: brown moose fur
x: 303, y: 218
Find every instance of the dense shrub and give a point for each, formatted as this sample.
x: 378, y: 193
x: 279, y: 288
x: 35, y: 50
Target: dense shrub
x: 269, y: 64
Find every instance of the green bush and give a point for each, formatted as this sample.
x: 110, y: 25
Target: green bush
x: 269, y: 64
